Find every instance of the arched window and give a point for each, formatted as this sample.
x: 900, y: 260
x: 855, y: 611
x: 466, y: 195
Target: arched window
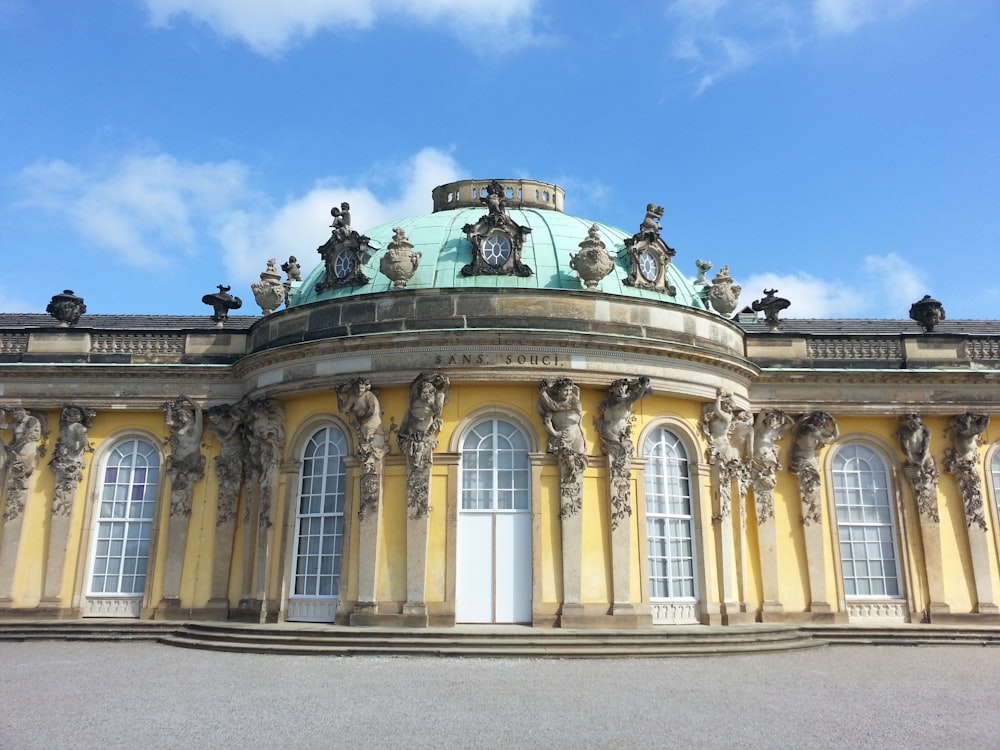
x: 865, y: 524
x: 319, y: 527
x: 495, y: 473
x: 124, y: 526
x: 669, y: 518
x: 493, y: 582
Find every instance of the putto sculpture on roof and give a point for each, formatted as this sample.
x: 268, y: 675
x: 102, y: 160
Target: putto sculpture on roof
x: 496, y: 239
x: 650, y: 255
x: 344, y: 253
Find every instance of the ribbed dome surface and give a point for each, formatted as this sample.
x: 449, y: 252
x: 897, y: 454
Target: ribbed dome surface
x: 555, y: 237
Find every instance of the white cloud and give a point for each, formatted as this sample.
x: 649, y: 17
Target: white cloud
x: 846, y: 16
x: 156, y: 211
x: 269, y: 27
x: 841, y: 16
x: 301, y: 224
x: 895, y: 280
x: 142, y: 207
x: 717, y: 38
x: 885, y: 288
x: 810, y: 297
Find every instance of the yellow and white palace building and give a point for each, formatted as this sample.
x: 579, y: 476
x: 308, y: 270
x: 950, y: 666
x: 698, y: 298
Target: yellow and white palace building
x: 499, y: 413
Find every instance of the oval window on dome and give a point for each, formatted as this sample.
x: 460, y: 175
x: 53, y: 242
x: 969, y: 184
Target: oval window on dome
x: 343, y: 264
x: 649, y: 267
x: 496, y: 249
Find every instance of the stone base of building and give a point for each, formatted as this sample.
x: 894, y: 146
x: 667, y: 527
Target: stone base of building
x: 396, y: 615
x: 595, y: 616
x: 372, y: 619
x: 739, y: 618
x: 54, y: 609
x: 254, y: 610
x: 41, y: 612
x: 821, y: 618
x: 965, y: 618
x: 170, y: 609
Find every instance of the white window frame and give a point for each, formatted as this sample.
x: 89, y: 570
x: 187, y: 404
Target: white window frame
x: 664, y: 487
x: 116, y: 525
x: 488, y: 498
x: 314, y: 592
x: 865, y: 523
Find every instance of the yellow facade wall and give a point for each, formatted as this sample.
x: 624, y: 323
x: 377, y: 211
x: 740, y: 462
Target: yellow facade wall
x: 517, y: 401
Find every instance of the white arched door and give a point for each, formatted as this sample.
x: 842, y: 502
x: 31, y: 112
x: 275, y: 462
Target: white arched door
x: 493, y: 577
x: 319, y: 528
x: 123, y: 530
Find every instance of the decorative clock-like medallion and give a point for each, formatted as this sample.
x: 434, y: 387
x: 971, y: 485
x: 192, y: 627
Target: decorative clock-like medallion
x: 343, y: 264
x: 496, y: 249
x: 650, y: 255
x: 649, y: 267
x: 496, y: 239
x: 344, y: 253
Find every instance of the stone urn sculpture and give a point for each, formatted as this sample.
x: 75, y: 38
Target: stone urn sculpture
x: 592, y: 262
x: 66, y: 308
x: 928, y: 312
x: 400, y: 261
x: 269, y: 292
x: 723, y: 294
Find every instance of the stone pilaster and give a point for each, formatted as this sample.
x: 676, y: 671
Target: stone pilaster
x: 813, y: 432
x: 614, y: 425
x: 963, y: 461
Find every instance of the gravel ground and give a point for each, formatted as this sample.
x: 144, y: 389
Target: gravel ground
x: 145, y: 695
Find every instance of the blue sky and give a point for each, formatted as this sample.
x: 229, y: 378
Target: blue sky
x: 846, y: 152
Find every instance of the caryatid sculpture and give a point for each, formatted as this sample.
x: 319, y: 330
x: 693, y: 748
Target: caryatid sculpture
x: 264, y: 428
x: 67, y: 458
x: 356, y: 399
x: 962, y: 460
x: 22, y: 459
x: 562, y: 414
x: 769, y: 427
x: 717, y: 419
x: 918, y: 465
x: 417, y: 437
x: 185, y: 464
x: 614, y: 425
x: 813, y: 431
x: 225, y: 422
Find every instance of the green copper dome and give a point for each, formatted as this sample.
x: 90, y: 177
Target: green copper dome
x: 442, y: 242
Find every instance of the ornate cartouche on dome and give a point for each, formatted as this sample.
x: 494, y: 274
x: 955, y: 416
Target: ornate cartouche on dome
x: 650, y: 255
x: 344, y: 253
x: 497, y: 240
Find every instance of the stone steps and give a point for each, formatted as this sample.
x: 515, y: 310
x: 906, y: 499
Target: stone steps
x: 86, y: 630
x: 493, y: 641
x: 904, y: 635
x: 489, y: 643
